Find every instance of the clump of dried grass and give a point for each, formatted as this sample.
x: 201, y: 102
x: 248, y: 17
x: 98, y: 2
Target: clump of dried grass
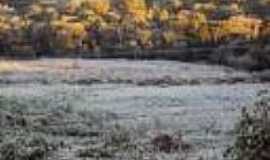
x: 8, y: 66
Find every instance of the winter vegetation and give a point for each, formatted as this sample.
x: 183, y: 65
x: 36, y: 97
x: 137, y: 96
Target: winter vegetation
x: 252, y: 140
x: 119, y: 109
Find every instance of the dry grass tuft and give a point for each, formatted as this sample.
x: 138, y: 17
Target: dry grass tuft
x: 11, y: 66
x: 8, y: 66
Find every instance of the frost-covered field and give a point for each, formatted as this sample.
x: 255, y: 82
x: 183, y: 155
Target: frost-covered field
x: 141, y: 72
x: 115, y: 109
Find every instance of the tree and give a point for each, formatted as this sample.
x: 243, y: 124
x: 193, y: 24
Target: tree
x: 100, y: 7
x: 206, y: 8
x: 169, y: 37
x: 241, y: 26
x: 205, y: 34
x: 144, y: 37
x: 42, y: 13
x: 73, y: 6
x: 137, y: 8
x: 13, y: 32
x: 68, y: 35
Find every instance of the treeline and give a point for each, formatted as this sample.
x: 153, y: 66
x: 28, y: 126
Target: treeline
x: 82, y: 26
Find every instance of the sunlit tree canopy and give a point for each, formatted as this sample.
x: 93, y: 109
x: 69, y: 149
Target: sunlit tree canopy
x: 142, y: 22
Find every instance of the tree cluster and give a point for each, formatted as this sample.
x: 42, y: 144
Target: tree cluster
x: 86, y: 25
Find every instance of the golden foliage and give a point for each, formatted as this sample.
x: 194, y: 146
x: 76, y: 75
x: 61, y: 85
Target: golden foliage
x: 145, y: 36
x: 198, y: 20
x: 151, y: 14
x: 235, y: 8
x: 100, y: 7
x: 190, y: 20
x: 239, y: 25
x: 163, y: 15
x: 206, y: 8
x: 88, y: 17
x: 174, y: 4
x: 69, y: 35
x: 4, y: 24
x: 135, y: 20
x: 35, y: 9
x: 169, y: 37
x: 72, y: 6
x: 12, y: 29
x: 134, y: 5
x: 183, y: 18
x: 205, y: 34
x: 8, y: 19
x: 265, y: 30
x: 137, y: 8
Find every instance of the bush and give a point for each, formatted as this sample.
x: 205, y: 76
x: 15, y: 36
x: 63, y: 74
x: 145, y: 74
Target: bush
x: 253, y: 133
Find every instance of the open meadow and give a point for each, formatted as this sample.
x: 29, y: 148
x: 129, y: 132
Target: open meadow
x: 76, y: 109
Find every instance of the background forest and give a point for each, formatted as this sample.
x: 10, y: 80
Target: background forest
x: 60, y: 27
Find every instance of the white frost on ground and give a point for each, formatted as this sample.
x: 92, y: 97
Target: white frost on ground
x: 205, y: 113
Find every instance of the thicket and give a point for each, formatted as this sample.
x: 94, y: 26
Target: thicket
x: 82, y: 26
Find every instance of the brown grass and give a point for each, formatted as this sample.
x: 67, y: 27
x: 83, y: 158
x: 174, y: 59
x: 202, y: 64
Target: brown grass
x: 11, y: 66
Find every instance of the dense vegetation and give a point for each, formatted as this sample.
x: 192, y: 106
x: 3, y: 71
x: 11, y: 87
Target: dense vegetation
x: 253, y: 138
x: 81, y: 26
